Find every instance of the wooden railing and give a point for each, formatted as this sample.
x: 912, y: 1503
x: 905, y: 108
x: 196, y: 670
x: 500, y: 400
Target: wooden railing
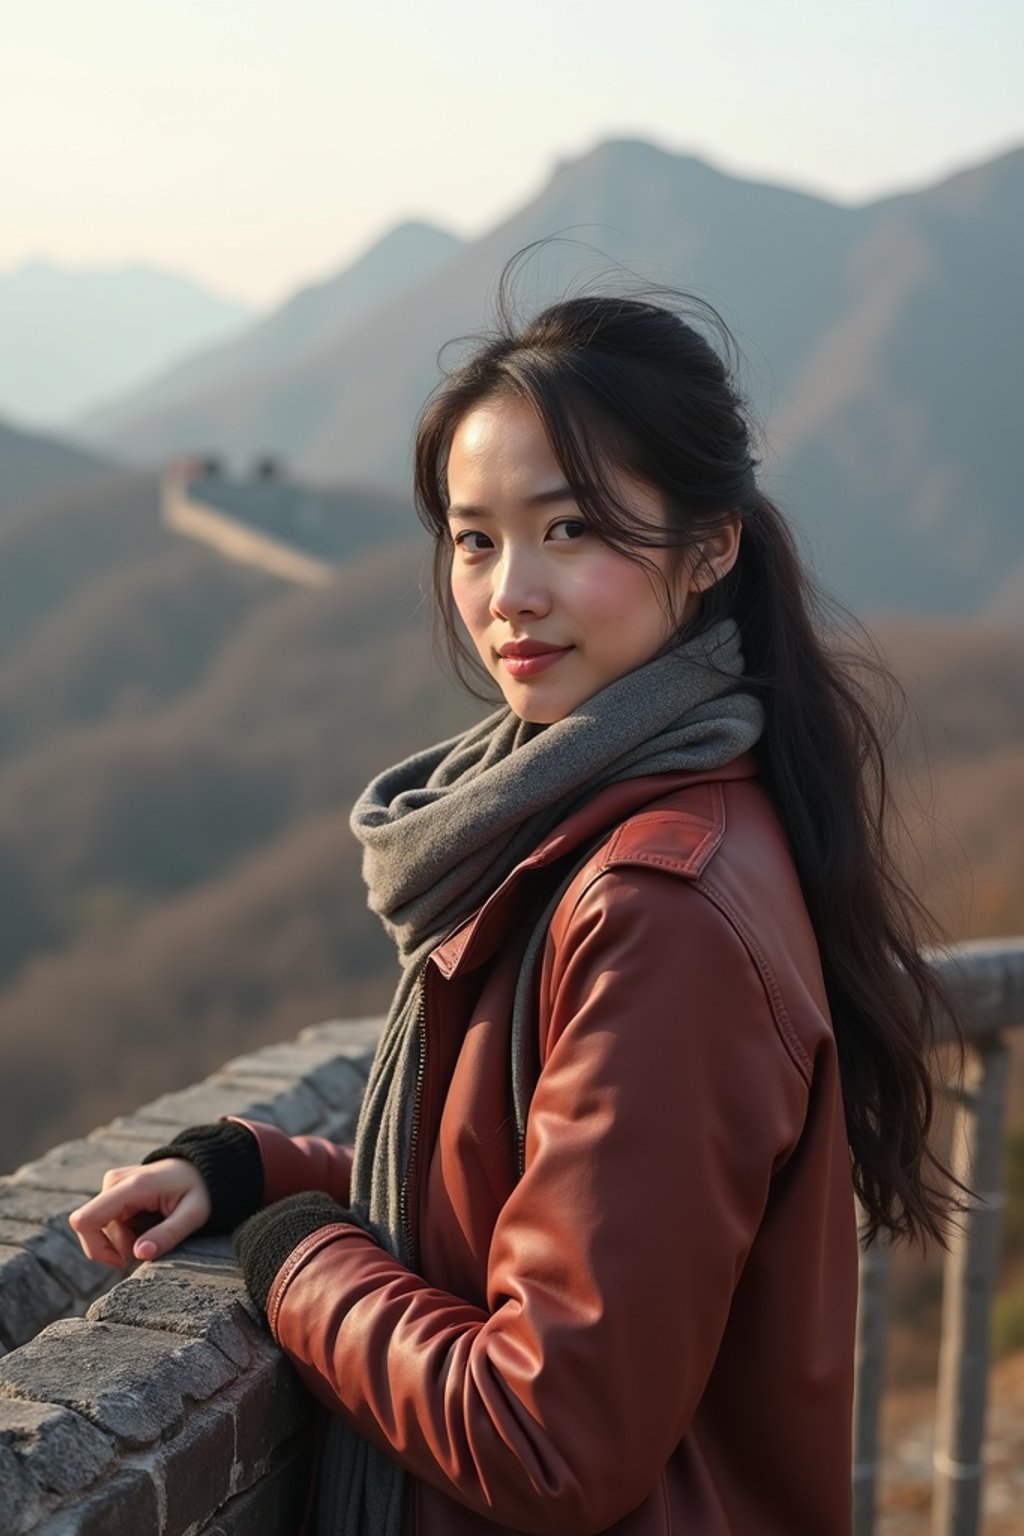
x: 986, y: 978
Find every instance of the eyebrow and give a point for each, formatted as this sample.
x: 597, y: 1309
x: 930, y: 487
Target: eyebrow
x: 539, y: 499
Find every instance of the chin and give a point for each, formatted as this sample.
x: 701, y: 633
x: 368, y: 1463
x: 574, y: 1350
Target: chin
x: 536, y: 712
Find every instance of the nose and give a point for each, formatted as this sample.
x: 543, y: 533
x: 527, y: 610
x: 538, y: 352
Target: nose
x: 519, y: 588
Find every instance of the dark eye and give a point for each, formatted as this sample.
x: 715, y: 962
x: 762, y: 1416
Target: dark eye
x: 567, y: 528
x: 462, y: 541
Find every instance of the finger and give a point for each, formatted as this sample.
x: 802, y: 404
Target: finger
x: 97, y: 1245
x: 191, y: 1212
x: 118, y: 1203
x: 114, y: 1176
x: 122, y: 1238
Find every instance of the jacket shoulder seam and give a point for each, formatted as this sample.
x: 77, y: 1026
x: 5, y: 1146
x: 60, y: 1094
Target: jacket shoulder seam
x: 780, y: 1016
x: 688, y: 866
x: 780, y: 1013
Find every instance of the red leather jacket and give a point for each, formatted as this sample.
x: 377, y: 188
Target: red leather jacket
x: 652, y: 1330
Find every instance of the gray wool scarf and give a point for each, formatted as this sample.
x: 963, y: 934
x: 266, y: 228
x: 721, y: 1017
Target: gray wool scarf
x: 440, y: 831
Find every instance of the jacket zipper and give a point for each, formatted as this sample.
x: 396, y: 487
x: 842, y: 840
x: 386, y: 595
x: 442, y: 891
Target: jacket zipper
x: 404, y: 1214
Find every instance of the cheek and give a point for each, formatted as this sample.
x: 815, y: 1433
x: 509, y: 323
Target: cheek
x: 621, y: 596
x: 468, y: 596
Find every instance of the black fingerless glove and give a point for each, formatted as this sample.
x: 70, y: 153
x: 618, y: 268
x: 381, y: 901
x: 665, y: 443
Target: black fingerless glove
x: 228, y: 1158
x: 264, y: 1242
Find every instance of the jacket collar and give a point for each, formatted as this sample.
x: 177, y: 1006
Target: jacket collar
x: 478, y: 936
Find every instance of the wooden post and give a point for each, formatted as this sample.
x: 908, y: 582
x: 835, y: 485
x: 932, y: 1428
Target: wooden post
x: 967, y: 1292
x: 872, y: 1325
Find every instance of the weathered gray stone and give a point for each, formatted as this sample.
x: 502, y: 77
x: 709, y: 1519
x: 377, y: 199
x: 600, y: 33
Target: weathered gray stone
x: 204, y: 1102
x: 207, y: 1246
x: 29, y: 1296
x: 58, y: 1449
x: 125, y: 1506
x: 293, y: 1106
x: 79, y: 1165
x: 196, y: 1468
x: 271, y: 1407
x: 131, y: 1382
x: 340, y: 1128
x: 335, y: 1078
x: 19, y: 1495
x: 354, y: 1038
x: 173, y: 1366
x: 187, y: 1301
x: 274, y: 1505
x: 138, y: 1128
x: 60, y: 1253
x: 24, y: 1202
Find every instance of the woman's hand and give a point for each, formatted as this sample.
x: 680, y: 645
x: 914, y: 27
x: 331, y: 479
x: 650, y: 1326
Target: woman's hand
x: 132, y: 1201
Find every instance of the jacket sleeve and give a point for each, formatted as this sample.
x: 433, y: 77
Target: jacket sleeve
x: 665, y: 1101
x: 292, y: 1164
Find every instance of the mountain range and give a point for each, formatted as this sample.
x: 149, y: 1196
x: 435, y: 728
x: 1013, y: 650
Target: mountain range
x: 181, y: 736
x: 314, y: 319
x: 881, y: 347
x: 71, y: 338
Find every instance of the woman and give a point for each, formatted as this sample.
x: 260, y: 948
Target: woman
x: 592, y: 1263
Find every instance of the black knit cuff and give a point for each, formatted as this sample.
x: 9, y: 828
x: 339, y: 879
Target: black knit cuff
x: 264, y: 1242
x: 228, y: 1158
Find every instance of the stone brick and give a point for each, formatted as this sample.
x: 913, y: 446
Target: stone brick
x: 131, y: 1382
x: 193, y: 1300
x: 58, y: 1449
x: 79, y: 1166
x: 125, y: 1506
x: 24, y: 1202
x: 274, y: 1505
x: 29, y: 1296
x: 294, y: 1107
x: 335, y: 1078
x: 203, y: 1103
x: 59, y: 1252
x: 138, y: 1128
x: 208, y: 1248
x: 19, y: 1495
x: 354, y: 1038
x: 271, y: 1407
x: 195, y: 1468
x: 340, y: 1128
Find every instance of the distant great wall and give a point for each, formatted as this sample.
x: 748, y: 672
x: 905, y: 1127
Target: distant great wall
x: 264, y: 521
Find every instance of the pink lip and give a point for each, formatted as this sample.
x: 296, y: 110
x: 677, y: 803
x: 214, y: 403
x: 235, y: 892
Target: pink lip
x: 526, y: 658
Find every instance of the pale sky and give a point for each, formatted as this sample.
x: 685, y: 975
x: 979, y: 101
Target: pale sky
x: 259, y: 144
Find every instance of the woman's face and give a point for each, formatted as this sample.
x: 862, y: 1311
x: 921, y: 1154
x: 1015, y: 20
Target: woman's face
x: 555, y: 613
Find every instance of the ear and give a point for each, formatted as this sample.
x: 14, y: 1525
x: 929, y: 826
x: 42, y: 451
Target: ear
x: 717, y: 555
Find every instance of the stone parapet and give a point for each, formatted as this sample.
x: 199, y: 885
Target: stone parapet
x: 165, y: 1408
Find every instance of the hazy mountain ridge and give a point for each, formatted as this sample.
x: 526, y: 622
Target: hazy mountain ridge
x: 72, y: 337
x: 881, y: 343
x: 314, y: 318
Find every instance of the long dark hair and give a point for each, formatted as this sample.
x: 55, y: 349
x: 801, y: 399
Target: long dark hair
x: 626, y: 381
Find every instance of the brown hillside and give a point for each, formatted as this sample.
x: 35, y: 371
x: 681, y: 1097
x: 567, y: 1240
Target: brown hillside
x: 127, y: 642
x: 283, y: 939
x: 34, y: 466
x: 53, y: 549
x: 310, y: 696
